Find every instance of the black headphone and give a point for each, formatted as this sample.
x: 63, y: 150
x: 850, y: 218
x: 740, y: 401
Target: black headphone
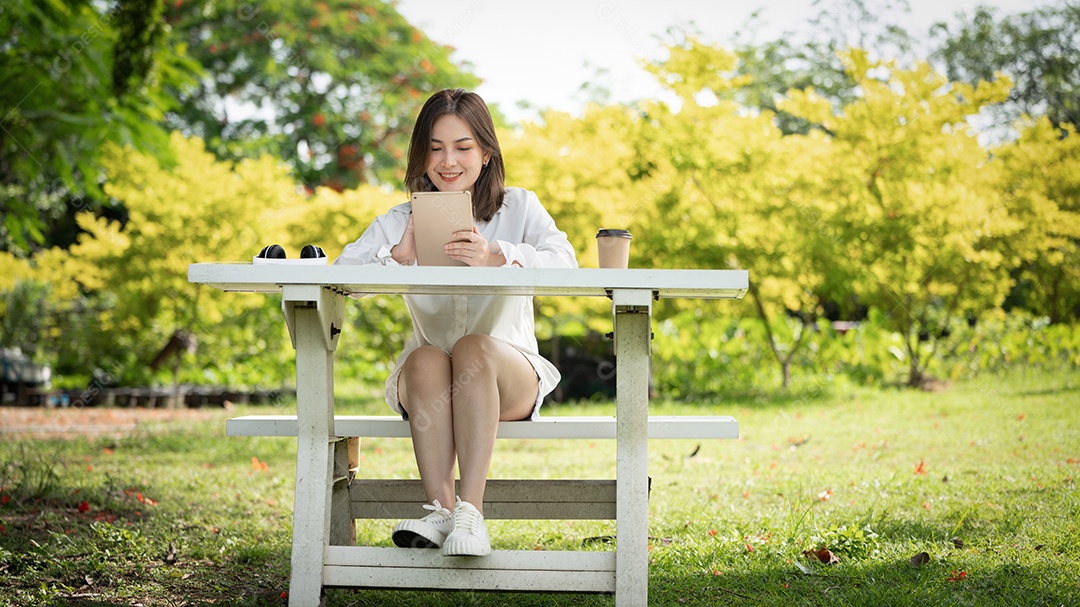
x: 275, y: 251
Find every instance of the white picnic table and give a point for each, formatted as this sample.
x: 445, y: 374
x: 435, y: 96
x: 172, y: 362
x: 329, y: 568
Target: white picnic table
x: 313, y: 300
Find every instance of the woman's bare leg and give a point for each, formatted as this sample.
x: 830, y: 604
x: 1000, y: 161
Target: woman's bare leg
x: 492, y: 381
x: 425, y: 393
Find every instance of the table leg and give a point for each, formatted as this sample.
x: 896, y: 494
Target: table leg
x: 632, y: 340
x: 314, y: 458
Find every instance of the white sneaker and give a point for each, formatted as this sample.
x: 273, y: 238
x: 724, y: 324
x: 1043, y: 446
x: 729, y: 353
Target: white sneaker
x: 469, y: 536
x: 427, y: 532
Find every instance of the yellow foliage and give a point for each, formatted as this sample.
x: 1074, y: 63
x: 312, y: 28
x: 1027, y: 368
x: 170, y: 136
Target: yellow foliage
x: 331, y: 220
x: 1040, y: 177
x: 693, y: 67
x: 15, y: 269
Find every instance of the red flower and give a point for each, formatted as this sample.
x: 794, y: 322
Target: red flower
x: 84, y: 506
x: 957, y: 576
x: 920, y: 468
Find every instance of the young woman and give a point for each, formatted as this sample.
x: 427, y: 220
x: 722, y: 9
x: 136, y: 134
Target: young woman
x: 472, y: 360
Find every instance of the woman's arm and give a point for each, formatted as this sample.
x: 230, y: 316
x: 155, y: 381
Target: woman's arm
x: 387, y: 241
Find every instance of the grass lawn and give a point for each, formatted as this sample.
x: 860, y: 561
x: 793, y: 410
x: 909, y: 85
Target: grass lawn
x: 981, y: 477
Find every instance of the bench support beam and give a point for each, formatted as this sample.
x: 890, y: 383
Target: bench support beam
x: 633, y: 311
x: 312, y: 314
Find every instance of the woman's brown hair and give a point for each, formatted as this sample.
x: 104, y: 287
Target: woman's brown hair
x: 490, y: 187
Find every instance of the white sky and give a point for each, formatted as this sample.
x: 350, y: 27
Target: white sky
x: 541, y: 52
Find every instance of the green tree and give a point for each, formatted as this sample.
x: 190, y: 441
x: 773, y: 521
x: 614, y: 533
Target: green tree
x: 77, y: 76
x: 808, y: 56
x: 1037, y: 49
x: 330, y: 87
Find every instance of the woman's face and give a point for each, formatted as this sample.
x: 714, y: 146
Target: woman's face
x: 455, y: 158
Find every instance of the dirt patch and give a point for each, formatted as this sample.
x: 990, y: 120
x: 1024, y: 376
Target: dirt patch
x: 69, y: 422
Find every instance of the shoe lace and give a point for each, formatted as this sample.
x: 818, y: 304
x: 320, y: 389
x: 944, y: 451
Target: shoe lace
x: 436, y: 508
x: 467, y: 518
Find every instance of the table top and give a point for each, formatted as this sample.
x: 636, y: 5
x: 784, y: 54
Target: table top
x: 374, y: 279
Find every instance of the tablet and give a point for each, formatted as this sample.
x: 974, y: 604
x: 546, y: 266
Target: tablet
x: 436, y: 216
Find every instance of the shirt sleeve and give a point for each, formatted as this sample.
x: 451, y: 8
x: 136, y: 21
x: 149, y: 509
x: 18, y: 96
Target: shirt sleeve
x: 373, y: 246
x: 543, y: 245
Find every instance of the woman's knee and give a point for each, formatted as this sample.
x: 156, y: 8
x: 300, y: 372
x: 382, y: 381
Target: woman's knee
x: 426, y: 361
x: 474, y: 347
x: 424, y: 379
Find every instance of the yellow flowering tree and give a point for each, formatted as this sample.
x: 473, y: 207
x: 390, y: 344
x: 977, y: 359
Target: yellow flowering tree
x: 918, y: 213
x: 730, y: 191
x: 1040, y: 184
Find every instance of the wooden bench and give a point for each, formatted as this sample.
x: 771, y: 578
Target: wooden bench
x: 508, y: 570
x: 313, y: 302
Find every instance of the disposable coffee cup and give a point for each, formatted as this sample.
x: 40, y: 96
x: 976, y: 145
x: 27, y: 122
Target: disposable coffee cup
x: 613, y: 248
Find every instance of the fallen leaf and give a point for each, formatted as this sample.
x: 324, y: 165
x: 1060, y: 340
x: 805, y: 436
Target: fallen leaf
x: 957, y: 542
x: 170, y: 556
x: 823, y: 555
x: 957, y: 576
x: 920, y: 559
x: 920, y: 468
x: 696, y: 450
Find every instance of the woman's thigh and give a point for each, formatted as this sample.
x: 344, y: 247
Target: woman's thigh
x: 515, y: 378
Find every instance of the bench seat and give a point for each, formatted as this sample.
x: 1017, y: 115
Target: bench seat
x: 575, y: 499
x: 556, y: 427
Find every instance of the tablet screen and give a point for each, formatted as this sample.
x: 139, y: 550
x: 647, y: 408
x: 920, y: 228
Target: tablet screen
x: 436, y: 216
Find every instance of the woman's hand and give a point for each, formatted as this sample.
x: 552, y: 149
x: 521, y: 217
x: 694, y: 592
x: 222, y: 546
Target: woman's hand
x: 404, y: 252
x: 473, y: 249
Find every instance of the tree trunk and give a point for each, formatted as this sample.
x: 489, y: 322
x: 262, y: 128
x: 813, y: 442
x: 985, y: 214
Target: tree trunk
x: 915, y: 373
x: 784, y: 361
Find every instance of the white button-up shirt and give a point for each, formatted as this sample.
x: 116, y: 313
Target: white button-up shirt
x: 526, y: 235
